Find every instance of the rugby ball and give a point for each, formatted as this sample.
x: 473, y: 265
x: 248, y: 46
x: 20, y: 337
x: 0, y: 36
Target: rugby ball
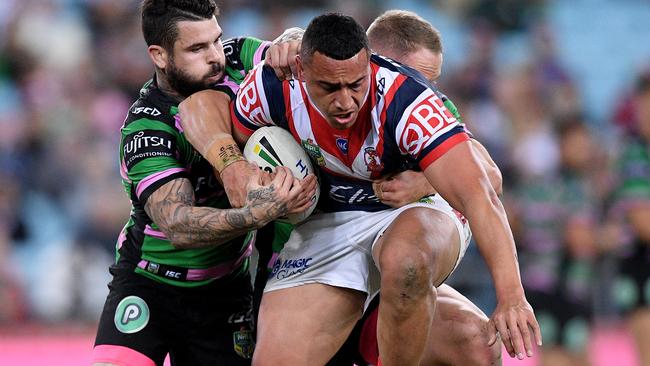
x: 273, y: 146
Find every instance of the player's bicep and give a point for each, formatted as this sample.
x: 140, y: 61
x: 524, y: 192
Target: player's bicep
x: 458, y: 182
x: 492, y: 170
x: 166, y: 205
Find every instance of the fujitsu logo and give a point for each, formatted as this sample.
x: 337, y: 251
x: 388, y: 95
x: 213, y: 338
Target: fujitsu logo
x: 141, y: 141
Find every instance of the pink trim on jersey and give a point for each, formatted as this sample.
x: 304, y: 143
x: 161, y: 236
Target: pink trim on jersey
x: 120, y: 355
x: 148, y: 230
x: 220, y: 270
x: 178, y: 123
x: 121, y: 238
x: 258, y: 53
x: 123, y: 171
x: 230, y: 84
x: 153, y: 178
x: 272, y: 261
x: 441, y: 149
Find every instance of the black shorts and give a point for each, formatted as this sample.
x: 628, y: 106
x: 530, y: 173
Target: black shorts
x: 144, y: 320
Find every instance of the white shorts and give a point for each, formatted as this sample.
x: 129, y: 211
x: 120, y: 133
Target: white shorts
x: 336, y: 248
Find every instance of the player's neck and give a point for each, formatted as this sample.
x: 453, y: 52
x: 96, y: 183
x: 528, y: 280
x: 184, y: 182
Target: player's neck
x: 165, y: 87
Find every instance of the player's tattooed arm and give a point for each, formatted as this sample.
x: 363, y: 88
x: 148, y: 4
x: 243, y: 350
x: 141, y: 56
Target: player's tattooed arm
x: 172, y: 208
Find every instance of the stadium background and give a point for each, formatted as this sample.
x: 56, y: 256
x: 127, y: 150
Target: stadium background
x: 523, y: 73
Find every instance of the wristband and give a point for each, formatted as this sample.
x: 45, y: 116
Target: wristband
x: 223, y: 152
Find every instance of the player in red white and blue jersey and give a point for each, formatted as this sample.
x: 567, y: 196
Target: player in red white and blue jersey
x: 361, y: 117
x: 380, y: 143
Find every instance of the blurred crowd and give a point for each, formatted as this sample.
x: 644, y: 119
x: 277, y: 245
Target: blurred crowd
x: 576, y: 173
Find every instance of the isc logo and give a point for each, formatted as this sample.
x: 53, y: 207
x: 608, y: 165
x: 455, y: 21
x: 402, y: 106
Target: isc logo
x: 426, y: 120
x: 172, y: 274
x: 248, y: 101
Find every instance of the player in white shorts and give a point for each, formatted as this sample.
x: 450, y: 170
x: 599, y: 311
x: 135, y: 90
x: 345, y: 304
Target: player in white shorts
x: 362, y: 117
x: 347, y: 260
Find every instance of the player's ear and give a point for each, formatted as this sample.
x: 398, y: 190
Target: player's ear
x: 299, y: 68
x: 158, y: 55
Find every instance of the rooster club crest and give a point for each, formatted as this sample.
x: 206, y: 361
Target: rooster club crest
x: 314, y: 151
x: 371, y: 158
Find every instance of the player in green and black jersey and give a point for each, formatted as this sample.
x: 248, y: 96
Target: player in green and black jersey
x: 181, y: 284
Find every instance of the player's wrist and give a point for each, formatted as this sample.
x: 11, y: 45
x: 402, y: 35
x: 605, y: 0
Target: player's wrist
x: 224, y: 152
x: 510, y: 293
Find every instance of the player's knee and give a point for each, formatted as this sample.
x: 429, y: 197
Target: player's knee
x: 406, y: 276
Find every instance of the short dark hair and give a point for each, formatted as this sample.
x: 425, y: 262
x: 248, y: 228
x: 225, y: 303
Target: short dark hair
x: 159, y: 18
x: 403, y: 32
x: 334, y: 35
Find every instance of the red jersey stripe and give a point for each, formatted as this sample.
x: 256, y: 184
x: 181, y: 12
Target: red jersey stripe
x: 442, y: 148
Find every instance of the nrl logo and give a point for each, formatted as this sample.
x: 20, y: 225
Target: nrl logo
x: 314, y: 151
x: 243, y: 343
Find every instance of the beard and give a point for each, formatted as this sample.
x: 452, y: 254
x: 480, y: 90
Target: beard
x: 186, y: 85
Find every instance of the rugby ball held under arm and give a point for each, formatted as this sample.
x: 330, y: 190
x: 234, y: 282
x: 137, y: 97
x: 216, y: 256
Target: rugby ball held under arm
x: 273, y: 146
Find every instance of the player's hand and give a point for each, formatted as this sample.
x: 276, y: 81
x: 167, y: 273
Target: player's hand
x: 282, y: 58
x: 235, y: 178
x: 515, y: 323
x: 307, y: 189
x: 277, y: 198
x: 403, y: 188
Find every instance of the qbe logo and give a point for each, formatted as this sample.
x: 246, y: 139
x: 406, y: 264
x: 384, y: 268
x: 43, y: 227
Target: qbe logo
x: 131, y: 315
x: 427, y: 121
x: 249, y: 103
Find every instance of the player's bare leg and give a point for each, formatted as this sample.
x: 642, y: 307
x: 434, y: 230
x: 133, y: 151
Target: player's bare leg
x: 459, y: 333
x: 416, y: 252
x: 305, y: 325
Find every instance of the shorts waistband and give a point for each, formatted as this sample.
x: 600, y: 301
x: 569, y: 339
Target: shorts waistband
x: 195, y: 274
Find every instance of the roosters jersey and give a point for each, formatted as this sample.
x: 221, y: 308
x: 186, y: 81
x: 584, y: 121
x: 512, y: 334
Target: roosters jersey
x: 402, y: 124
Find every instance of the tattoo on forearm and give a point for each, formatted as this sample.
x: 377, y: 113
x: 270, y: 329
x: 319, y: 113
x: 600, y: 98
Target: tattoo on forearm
x: 172, y: 208
x: 238, y: 218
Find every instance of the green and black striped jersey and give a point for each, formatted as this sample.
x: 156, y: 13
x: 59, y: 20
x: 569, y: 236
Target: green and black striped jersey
x: 154, y: 151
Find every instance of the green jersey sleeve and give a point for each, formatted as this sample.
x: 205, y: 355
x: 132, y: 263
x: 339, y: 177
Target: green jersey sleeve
x: 149, y: 154
x: 242, y: 54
